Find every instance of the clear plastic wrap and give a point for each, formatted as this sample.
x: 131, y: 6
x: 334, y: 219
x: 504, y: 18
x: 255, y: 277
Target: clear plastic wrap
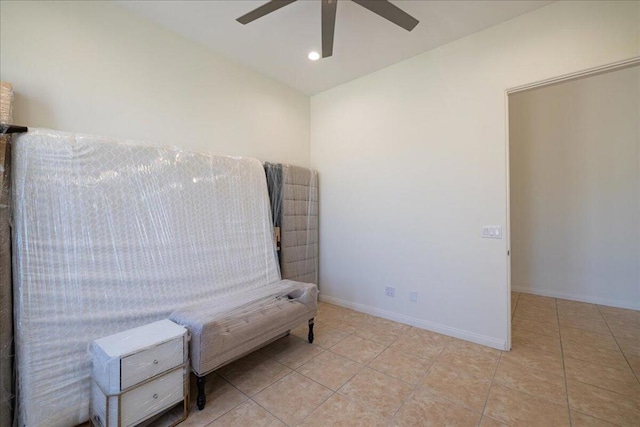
x: 110, y: 235
x: 293, y: 191
x: 140, y: 373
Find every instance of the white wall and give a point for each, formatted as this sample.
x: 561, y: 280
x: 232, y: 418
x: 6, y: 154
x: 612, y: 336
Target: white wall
x: 412, y: 162
x: 97, y: 68
x: 575, y: 189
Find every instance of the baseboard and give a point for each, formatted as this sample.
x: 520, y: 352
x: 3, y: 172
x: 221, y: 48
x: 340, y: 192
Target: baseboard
x: 419, y: 323
x: 578, y: 297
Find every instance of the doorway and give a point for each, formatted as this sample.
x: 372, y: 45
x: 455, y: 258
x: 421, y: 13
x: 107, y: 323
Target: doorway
x: 572, y: 143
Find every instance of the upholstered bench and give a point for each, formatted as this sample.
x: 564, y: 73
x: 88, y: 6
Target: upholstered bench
x: 225, y: 329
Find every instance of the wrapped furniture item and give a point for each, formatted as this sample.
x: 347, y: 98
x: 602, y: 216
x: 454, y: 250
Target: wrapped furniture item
x: 226, y: 329
x: 6, y: 308
x: 140, y: 374
x: 110, y: 235
x: 294, y: 205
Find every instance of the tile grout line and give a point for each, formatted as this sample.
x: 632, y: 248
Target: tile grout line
x: 515, y: 308
x: 493, y: 378
x: 609, y: 422
x: 595, y: 386
x: 348, y: 334
x: 616, y: 340
x: 604, y: 389
x: 529, y: 393
x: 363, y: 366
x: 251, y: 398
x: 269, y: 412
x: 413, y: 387
x: 534, y: 368
x: 333, y: 393
x: 321, y: 385
x: 367, y: 366
x: 564, y: 368
x: 230, y: 409
x: 557, y: 322
x: 525, y: 328
x: 310, y: 379
x: 416, y: 385
x: 450, y: 342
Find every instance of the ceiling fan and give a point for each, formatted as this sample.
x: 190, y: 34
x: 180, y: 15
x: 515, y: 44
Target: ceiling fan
x: 383, y: 8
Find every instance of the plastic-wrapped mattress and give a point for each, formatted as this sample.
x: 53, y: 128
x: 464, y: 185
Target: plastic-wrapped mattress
x: 110, y: 235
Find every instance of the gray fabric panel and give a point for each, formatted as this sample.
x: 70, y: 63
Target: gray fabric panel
x: 299, y: 224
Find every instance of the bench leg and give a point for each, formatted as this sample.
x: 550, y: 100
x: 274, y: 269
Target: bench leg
x: 201, y: 397
x: 310, y: 331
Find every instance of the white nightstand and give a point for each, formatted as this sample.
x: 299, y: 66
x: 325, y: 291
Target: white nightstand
x: 139, y: 375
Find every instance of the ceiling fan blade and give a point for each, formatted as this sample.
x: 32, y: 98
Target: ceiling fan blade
x: 390, y: 12
x: 328, y: 26
x: 263, y: 10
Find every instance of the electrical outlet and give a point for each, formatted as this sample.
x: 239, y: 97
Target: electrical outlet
x: 413, y: 296
x: 389, y: 291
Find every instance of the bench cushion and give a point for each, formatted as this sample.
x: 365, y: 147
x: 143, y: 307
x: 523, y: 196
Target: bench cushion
x: 225, y: 329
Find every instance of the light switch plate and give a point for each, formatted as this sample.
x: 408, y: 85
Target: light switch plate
x: 492, y: 231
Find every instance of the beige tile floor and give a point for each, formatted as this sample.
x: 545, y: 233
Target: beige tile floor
x: 571, y: 364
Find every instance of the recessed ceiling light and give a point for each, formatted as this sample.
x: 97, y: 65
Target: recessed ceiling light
x: 314, y: 56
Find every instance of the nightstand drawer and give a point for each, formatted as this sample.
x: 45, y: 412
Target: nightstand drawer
x: 151, y: 362
x: 150, y: 398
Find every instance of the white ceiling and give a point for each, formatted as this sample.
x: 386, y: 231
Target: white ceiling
x: 277, y: 44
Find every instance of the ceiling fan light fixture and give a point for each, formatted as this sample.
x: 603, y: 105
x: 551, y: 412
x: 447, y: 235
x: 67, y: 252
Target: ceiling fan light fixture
x: 383, y: 8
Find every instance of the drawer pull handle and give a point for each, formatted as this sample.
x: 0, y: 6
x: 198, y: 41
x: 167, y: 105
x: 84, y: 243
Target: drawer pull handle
x: 155, y: 362
x: 155, y: 396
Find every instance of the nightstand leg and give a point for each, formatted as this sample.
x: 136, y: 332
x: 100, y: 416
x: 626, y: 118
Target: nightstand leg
x: 201, y: 400
x: 310, y: 331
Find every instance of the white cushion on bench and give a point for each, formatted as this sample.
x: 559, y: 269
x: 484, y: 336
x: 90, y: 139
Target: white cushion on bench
x: 225, y: 329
